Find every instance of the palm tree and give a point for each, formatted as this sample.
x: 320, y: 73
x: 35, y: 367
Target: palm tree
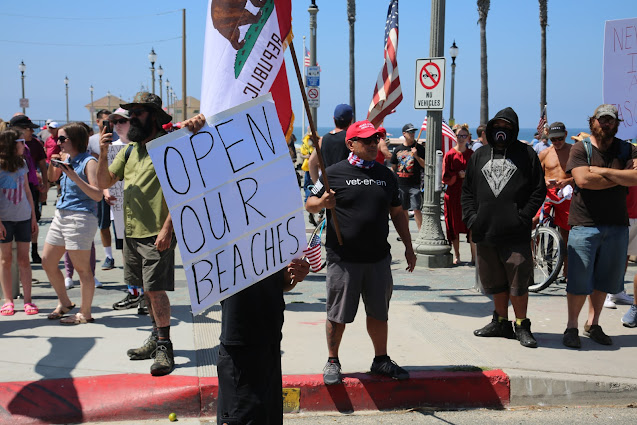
x: 351, y: 16
x: 483, y: 11
x: 543, y: 24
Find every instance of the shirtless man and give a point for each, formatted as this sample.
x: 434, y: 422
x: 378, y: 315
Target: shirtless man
x: 553, y: 161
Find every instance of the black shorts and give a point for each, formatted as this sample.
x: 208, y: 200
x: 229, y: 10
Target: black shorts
x: 103, y: 214
x: 250, y: 384
x: 505, y: 268
x: 18, y: 230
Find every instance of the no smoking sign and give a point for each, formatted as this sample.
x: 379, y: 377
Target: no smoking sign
x: 430, y: 84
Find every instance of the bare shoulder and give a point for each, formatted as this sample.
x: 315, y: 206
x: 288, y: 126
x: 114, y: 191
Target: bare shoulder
x: 546, y: 152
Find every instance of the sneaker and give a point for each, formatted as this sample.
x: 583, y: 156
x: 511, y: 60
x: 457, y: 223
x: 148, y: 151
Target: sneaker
x: 98, y: 284
x: 311, y: 219
x: 108, y: 264
x: 630, y: 318
x: 496, y: 328
x: 622, y: 298
x: 524, y: 335
x: 389, y: 368
x: 35, y: 258
x: 608, y: 302
x: 68, y: 282
x: 129, y: 301
x: 164, y: 359
x: 596, y: 333
x: 143, y: 308
x: 332, y: 373
x: 571, y: 338
x: 145, y: 351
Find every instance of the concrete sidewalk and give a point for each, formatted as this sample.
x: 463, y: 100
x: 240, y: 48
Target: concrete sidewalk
x: 53, y: 373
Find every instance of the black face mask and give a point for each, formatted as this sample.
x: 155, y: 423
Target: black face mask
x: 501, y: 136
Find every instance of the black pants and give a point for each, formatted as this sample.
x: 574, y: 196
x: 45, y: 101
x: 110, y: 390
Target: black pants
x: 250, y: 385
x: 35, y: 194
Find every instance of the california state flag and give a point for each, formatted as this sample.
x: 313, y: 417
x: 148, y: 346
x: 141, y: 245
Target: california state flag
x: 243, y: 55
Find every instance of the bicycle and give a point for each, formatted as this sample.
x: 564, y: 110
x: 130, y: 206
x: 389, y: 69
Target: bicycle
x: 548, y: 250
x: 321, y: 232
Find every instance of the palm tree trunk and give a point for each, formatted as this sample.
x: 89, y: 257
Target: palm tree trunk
x: 543, y: 24
x: 483, y: 11
x: 351, y: 16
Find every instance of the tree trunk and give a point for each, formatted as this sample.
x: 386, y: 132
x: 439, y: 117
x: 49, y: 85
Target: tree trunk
x: 351, y: 16
x: 543, y: 24
x: 483, y: 10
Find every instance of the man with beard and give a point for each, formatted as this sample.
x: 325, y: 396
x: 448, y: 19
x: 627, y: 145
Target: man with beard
x: 503, y: 188
x: 149, y: 244
x: 602, y: 167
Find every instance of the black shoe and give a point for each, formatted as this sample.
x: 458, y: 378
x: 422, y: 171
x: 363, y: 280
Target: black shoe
x: 35, y: 258
x: 311, y: 220
x: 524, y: 335
x: 596, y: 333
x: 389, y: 368
x: 496, y: 328
x: 143, y: 308
x: 164, y: 359
x: 129, y: 301
x: 571, y: 338
x: 332, y: 373
x: 146, y: 351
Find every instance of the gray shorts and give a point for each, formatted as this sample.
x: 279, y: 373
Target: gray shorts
x: 146, y: 267
x: 74, y: 230
x: 505, y: 268
x: 410, y: 197
x: 346, y: 282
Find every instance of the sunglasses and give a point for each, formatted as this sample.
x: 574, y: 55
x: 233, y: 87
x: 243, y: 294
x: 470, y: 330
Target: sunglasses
x: 136, y: 112
x: 62, y: 139
x: 20, y: 141
x: 368, y: 140
x: 557, y: 139
x: 119, y: 121
x: 463, y: 136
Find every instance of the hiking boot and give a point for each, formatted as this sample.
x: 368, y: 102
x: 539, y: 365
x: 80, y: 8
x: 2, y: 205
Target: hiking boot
x: 332, y: 373
x: 596, y: 333
x: 630, y: 318
x: 143, y: 308
x: 496, y: 328
x: 35, y: 257
x: 108, y: 264
x: 524, y: 335
x: 571, y: 338
x: 129, y: 301
x: 146, y: 351
x: 388, y: 367
x: 164, y: 359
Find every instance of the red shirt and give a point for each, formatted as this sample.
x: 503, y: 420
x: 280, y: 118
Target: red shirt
x: 51, y: 146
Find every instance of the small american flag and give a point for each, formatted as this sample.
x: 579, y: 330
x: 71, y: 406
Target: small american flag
x: 387, y: 92
x: 306, y: 58
x: 542, y: 123
x: 448, y: 136
x: 313, y: 253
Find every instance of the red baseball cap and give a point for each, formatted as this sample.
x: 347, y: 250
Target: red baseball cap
x: 382, y: 131
x: 361, y: 129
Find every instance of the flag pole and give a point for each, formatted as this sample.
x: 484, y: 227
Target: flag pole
x: 315, y: 138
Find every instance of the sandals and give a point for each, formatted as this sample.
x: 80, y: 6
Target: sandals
x: 30, y: 309
x: 76, y: 319
x: 56, y: 315
x: 7, y: 309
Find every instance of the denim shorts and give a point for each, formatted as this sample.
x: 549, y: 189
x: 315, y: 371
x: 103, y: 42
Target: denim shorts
x: 596, y: 259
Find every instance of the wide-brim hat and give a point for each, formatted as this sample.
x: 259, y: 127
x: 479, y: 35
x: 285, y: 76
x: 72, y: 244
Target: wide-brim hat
x: 152, y: 101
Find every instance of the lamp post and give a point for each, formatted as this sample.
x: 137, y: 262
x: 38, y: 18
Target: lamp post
x: 313, y: 10
x: 160, y: 72
x: 22, y: 67
x: 152, y: 57
x: 168, y: 95
x: 66, y: 84
x: 108, y: 99
x: 453, y: 52
x: 92, y: 107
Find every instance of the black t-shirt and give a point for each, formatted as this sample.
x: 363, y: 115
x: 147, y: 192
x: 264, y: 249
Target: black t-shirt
x: 254, y: 315
x: 363, y: 198
x: 333, y: 148
x: 408, y: 169
x: 599, y: 207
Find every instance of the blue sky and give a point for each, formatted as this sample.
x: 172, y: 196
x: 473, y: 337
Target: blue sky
x: 107, y: 46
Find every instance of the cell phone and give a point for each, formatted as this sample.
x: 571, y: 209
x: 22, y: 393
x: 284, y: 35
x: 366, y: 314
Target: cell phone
x: 553, y: 181
x: 59, y: 164
x: 108, y: 128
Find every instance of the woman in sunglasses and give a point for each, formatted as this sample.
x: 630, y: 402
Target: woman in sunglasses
x: 18, y: 219
x: 453, y: 171
x: 75, y: 222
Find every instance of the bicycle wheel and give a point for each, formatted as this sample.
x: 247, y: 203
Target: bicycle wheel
x: 320, y: 231
x: 548, y: 255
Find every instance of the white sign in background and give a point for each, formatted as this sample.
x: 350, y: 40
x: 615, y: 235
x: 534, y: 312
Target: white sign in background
x: 233, y: 196
x: 117, y: 190
x: 620, y: 73
x: 430, y: 84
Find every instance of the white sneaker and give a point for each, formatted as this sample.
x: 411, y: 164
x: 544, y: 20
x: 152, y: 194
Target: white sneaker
x: 608, y: 302
x: 622, y: 298
x: 98, y: 284
x: 68, y: 282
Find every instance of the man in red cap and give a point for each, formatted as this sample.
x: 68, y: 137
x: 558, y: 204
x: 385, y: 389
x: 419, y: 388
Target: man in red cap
x: 362, y: 194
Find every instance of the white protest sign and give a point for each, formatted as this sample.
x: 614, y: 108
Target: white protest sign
x: 234, y: 200
x: 620, y: 73
x: 117, y: 190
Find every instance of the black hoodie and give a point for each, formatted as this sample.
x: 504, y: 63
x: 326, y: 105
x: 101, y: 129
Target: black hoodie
x: 503, y: 187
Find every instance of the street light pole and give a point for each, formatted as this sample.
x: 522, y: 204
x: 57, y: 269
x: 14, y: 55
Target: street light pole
x: 22, y: 67
x: 92, y: 108
x: 168, y: 96
x: 313, y: 9
x: 453, y: 52
x: 160, y: 72
x: 66, y: 84
x: 152, y: 57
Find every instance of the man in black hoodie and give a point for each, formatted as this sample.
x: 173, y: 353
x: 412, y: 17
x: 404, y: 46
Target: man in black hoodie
x: 503, y: 189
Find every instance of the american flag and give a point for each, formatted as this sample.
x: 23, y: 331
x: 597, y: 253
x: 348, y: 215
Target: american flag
x: 313, y: 253
x: 542, y: 123
x: 387, y: 92
x: 448, y: 136
x: 306, y: 58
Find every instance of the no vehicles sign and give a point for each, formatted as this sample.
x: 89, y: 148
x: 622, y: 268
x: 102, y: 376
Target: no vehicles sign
x: 430, y: 84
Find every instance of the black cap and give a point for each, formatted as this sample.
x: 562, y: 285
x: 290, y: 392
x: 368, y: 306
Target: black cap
x: 409, y: 127
x: 22, y: 121
x: 557, y: 129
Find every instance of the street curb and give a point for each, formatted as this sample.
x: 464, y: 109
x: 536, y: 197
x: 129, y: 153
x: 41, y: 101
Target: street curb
x: 141, y: 396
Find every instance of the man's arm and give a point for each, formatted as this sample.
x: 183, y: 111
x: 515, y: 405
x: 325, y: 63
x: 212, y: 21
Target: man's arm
x: 43, y: 170
x: 313, y: 164
x: 585, y: 179
x: 467, y: 199
x: 620, y: 177
x: 402, y: 227
x: 315, y: 204
x: 165, y: 234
